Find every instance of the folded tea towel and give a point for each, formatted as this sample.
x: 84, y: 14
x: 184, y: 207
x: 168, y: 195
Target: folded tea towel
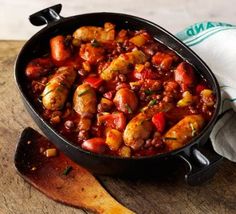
x: 215, y: 43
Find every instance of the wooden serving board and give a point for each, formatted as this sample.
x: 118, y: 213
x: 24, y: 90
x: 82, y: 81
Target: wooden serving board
x: 149, y: 195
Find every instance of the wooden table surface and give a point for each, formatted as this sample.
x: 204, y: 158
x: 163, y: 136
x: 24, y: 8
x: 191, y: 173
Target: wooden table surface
x: 169, y: 195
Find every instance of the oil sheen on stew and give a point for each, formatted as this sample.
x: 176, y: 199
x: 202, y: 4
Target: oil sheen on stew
x: 119, y: 92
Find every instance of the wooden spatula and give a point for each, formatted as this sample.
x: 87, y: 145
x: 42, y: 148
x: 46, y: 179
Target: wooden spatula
x: 61, y: 179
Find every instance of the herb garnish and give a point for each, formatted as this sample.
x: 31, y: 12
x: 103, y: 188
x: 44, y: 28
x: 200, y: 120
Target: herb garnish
x: 95, y: 43
x: 63, y: 84
x: 142, y: 121
x: 67, y: 170
x: 128, y: 108
x: 152, y: 102
x: 148, y: 92
x: 193, y: 129
x: 59, y: 89
x: 43, y: 95
x: 83, y: 92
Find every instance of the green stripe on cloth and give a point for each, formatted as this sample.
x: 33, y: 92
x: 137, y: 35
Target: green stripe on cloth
x: 197, y: 28
x: 204, y: 33
x: 195, y: 42
x: 232, y: 100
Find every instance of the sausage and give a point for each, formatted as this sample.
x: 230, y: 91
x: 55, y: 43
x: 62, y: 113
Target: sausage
x: 125, y: 100
x: 59, y: 50
x: 38, y: 67
x: 140, y: 127
x: 85, y: 102
x: 150, y: 111
x: 137, y: 130
x: 88, y: 33
x: 84, y: 99
x: 57, y: 89
x: 183, y: 131
x: 96, y: 145
x: 184, y: 75
x: 122, y: 64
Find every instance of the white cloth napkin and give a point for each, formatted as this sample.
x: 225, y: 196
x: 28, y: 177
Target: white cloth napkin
x: 215, y: 43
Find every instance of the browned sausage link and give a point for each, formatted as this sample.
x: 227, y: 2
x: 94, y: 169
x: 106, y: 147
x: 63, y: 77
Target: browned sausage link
x: 85, y: 102
x: 84, y: 99
x: 184, y: 74
x: 122, y: 63
x: 137, y: 130
x: 88, y: 33
x: 183, y: 131
x: 57, y: 89
x: 38, y: 67
x: 140, y: 127
x: 126, y: 100
x: 59, y: 50
x: 149, y: 111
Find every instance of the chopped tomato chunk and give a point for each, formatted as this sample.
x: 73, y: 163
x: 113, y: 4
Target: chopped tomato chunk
x: 163, y: 60
x: 184, y: 75
x: 145, y: 74
x: 115, y: 120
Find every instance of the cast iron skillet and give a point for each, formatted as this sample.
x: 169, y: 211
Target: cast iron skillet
x: 199, y: 156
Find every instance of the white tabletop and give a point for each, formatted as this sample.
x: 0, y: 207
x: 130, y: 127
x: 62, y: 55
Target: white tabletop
x: 174, y: 15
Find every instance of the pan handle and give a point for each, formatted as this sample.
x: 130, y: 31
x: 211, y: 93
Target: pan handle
x: 202, y: 164
x: 46, y: 16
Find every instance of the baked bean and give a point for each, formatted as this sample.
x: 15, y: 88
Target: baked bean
x: 83, y: 135
x: 69, y: 124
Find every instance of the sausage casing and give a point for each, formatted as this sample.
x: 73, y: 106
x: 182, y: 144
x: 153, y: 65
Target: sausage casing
x: 136, y: 131
x: 57, y: 89
x: 88, y: 33
x: 140, y: 127
x: 59, y: 50
x: 84, y: 99
x: 183, y: 131
x: 122, y: 63
x: 125, y: 100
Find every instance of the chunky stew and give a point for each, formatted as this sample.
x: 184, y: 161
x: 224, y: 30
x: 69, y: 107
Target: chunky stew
x: 119, y: 92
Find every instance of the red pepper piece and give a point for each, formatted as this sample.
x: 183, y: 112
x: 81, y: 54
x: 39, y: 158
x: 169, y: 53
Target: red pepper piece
x: 114, y: 120
x: 159, y: 121
x: 94, y: 81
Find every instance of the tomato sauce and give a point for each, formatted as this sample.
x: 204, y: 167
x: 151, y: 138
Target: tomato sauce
x: 102, y: 90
